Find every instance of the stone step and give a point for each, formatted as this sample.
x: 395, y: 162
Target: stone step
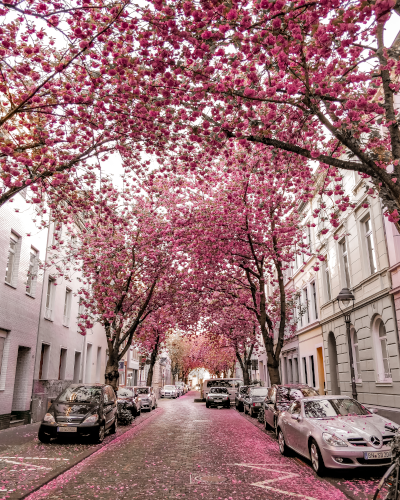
x: 16, y: 423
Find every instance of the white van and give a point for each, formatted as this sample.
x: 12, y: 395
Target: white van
x: 232, y: 384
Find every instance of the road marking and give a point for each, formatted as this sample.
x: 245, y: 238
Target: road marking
x: 37, y: 458
x: 285, y: 475
x: 24, y: 463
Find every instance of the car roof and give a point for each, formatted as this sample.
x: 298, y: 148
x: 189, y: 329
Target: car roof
x: 88, y: 385
x: 218, y: 387
x: 293, y: 386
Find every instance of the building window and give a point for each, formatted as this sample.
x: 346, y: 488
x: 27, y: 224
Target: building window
x: 3, y: 336
x: 356, y: 355
x: 327, y: 281
x: 312, y: 370
x: 67, y: 306
x: 370, y: 246
x: 305, y: 370
x: 49, y: 298
x: 12, y: 260
x: 314, y: 299
x: 32, y: 273
x: 44, y: 361
x: 345, y: 261
x: 382, y: 355
x: 306, y: 306
x: 63, y: 364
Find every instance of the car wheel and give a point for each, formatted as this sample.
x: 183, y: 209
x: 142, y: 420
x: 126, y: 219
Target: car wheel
x: 43, y: 437
x: 317, y: 461
x: 207, y: 405
x: 282, y: 443
x: 267, y: 427
x: 114, y: 427
x: 100, y: 436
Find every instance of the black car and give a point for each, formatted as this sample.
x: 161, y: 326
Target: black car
x: 129, y: 398
x: 253, y: 400
x: 218, y: 396
x: 240, y: 395
x: 280, y: 397
x: 83, y: 410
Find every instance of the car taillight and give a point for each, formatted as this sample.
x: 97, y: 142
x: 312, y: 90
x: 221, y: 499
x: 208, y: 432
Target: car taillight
x: 254, y: 404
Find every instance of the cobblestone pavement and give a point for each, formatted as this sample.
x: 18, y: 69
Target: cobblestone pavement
x: 25, y: 462
x: 185, y: 450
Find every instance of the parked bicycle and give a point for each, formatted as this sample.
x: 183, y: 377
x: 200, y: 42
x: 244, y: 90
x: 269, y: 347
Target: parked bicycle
x: 389, y: 487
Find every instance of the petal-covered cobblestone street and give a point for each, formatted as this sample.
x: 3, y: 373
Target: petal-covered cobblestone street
x: 184, y: 450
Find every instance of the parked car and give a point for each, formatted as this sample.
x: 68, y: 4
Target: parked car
x: 169, y: 391
x: 83, y: 410
x: 253, y: 400
x: 129, y: 397
x: 280, y: 397
x: 218, y: 396
x: 147, y: 396
x: 179, y: 389
x: 336, y: 432
x: 182, y: 387
x: 240, y: 396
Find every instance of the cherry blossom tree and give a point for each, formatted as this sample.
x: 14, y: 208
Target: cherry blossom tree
x: 128, y: 273
x: 311, y: 78
x: 243, y: 233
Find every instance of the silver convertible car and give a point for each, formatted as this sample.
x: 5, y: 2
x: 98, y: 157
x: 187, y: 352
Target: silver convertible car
x: 336, y: 432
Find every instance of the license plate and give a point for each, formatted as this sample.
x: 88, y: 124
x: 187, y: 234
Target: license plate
x: 218, y: 400
x: 371, y: 455
x: 67, y: 429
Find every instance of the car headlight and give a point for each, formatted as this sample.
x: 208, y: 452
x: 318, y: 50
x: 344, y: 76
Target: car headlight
x: 91, y: 419
x: 333, y: 440
x: 49, y: 418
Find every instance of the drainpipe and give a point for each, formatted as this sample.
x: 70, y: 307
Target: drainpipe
x: 391, y: 284
x: 40, y: 316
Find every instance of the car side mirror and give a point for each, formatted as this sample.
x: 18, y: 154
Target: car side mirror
x: 295, y: 416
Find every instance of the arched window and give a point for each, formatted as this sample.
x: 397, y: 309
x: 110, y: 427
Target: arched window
x: 382, y: 354
x: 356, y: 354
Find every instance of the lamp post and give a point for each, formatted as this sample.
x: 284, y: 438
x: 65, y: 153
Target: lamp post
x: 345, y: 297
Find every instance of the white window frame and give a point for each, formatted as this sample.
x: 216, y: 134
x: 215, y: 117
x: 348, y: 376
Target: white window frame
x: 370, y: 246
x: 304, y: 294
x: 345, y: 263
x: 15, y: 253
x: 50, y: 292
x: 327, y: 277
x: 67, y: 307
x: 356, y: 355
x: 380, y: 371
x: 31, y: 278
x: 314, y: 294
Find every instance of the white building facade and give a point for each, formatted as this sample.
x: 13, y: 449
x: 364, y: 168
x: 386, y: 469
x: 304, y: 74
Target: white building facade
x: 22, y: 246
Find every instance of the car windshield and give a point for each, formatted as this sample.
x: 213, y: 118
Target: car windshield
x: 293, y: 393
x: 260, y: 391
x: 143, y: 390
x: 328, y: 408
x: 219, y: 390
x: 124, y: 393
x: 80, y: 394
x: 224, y: 383
x: 169, y: 387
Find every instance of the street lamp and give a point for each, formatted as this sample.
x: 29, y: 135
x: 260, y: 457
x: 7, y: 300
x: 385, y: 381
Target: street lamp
x: 345, y: 297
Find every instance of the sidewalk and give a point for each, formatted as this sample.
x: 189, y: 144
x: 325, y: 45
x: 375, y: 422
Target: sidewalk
x: 26, y: 464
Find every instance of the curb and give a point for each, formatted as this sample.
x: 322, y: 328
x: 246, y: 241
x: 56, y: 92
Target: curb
x: 19, y: 495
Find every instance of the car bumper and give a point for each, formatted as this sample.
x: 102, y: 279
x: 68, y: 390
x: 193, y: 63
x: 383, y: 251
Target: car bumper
x: 352, y: 458
x: 83, y: 430
x: 219, y: 403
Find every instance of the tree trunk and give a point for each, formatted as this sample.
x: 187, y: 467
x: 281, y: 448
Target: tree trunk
x: 244, y: 366
x: 153, y: 359
x: 112, y: 375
